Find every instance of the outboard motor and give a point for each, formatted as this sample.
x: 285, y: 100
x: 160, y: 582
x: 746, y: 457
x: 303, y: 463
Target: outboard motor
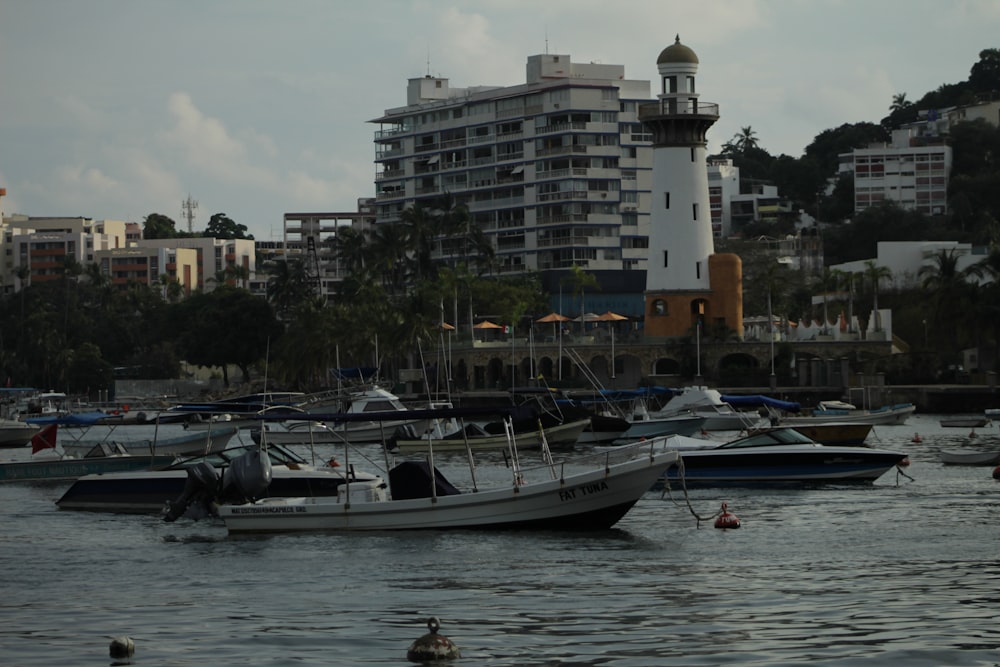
x: 201, y: 486
x: 247, y: 477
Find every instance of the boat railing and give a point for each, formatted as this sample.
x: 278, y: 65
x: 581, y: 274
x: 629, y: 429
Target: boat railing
x: 606, y: 458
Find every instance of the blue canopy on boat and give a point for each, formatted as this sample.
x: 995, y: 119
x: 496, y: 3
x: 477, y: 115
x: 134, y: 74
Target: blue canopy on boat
x: 72, y: 419
x: 758, y: 400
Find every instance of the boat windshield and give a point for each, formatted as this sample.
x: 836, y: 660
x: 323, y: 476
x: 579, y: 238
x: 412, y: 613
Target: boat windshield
x: 778, y: 436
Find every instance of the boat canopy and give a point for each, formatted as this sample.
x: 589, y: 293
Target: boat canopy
x: 758, y: 400
x: 73, y: 419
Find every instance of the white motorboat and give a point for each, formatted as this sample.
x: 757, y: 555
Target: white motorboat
x: 49, y: 462
x: 16, y: 433
x: 585, y: 493
x: 373, y: 399
x: 149, y: 492
x: 965, y: 422
x: 970, y: 457
x: 778, y: 455
x: 839, y: 411
x: 719, y: 415
x: 78, y: 426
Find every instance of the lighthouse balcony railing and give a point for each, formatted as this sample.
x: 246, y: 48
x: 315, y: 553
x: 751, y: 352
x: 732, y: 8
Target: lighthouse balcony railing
x: 679, y: 107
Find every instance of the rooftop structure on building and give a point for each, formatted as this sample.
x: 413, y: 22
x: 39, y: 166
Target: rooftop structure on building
x: 556, y: 171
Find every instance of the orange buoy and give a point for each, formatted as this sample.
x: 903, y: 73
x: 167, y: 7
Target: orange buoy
x: 996, y: 473
x: 333, y: 463
x: 727, y: 519
x: 917, y: 438
x: 905, y: 462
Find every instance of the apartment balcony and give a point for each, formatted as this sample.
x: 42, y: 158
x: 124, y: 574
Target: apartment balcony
x: 560, y: 127
x: 392, y: 132
x: 563, y: 242
x: 481, y: 139
x: 561, y: 150
x: 389, y: 173
x: 561, y: 219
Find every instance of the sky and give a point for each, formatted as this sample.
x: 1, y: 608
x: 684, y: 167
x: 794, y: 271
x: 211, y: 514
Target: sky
x: 116, y: 109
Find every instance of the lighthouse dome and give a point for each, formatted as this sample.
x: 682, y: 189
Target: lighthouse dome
x: 677, y: 53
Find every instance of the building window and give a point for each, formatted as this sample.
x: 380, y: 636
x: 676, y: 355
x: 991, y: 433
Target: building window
x: 694, y: 209
x: 666, y: 263
x: 692, y: 154
x: 697, y: 270
x: 659, y: 307
x: 666, y: 200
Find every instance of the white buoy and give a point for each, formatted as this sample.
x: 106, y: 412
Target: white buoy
x: 122, y: 648
x: 432, y: 646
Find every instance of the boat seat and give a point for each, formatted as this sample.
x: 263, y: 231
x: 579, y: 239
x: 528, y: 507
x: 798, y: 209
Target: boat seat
x: 412, y: 479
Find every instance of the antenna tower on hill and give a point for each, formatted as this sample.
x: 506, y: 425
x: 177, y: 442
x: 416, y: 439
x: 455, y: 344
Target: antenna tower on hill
x: 187, y: 207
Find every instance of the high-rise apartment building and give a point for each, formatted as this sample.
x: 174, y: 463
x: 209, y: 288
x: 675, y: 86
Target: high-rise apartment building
x: 557, y: 171
x: 912, y: 171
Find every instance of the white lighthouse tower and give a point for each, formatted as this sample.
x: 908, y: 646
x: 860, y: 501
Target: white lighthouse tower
x: 687, y: 284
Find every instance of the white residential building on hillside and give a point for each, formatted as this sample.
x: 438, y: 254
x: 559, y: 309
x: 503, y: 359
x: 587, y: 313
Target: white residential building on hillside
x: 723, y: 186
x: 556, y: 170
x: 913, y: 171
x: 905, y: 259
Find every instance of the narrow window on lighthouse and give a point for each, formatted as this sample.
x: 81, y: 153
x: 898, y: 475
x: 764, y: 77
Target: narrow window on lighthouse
x: 697, y: 270
x: 665, y: 259
x: 666, y: 200
x: 692, y: 154
x: 694, y: 208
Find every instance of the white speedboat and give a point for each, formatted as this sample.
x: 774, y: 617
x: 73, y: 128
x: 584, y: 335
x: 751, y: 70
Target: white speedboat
x: 149, y: 492
x: 16, y: 433
x: 78, y: 426
x: 839, y: 411
x: 778, y: 455
x: 49, y: 462
x: 970, y: 457
x: 585, y: 493
x: 358, y: 430
x: 709, y: 404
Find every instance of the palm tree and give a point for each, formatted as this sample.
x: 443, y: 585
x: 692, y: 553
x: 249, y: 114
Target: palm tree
x: 899, y: 102
x: 580, y: 280
x: 875, y: 274
x: 746, y: 139
x: 950, y: 292
x: 827, y: 281
x: 848, y: 280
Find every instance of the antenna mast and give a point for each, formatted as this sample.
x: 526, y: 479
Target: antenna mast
x: 187, y: 210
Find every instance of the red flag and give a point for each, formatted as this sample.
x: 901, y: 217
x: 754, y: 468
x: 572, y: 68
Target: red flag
x: 44, y: 439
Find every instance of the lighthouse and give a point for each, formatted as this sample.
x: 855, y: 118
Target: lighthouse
x: 688, y: 285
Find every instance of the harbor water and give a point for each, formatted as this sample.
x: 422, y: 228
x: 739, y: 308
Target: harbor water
x: 902, y: 572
